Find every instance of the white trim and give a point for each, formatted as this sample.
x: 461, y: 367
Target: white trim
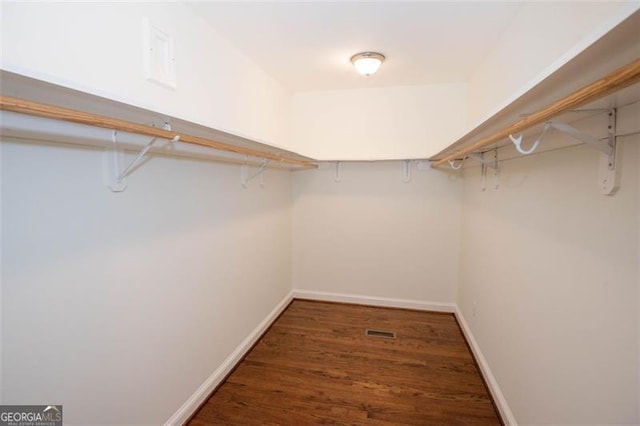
x: 492, y: 383
x: 194, y: 401
x: 375, y: 301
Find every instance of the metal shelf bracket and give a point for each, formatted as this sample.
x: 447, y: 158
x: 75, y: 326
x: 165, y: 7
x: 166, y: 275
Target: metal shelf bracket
x: 406, y: 176
x: 487, y: 164
x: 244, y: 173
x: 608, y: 174
x: 116, y: 175
x: 608, y: 171
x: 517, y: 141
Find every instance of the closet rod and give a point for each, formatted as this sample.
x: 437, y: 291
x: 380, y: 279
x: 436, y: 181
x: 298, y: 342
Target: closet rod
x: 618, y: 79
x: 51, y: 111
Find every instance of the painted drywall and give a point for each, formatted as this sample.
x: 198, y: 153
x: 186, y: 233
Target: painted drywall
x: 1, y: 286
x: 97, y: 47
x: 632, y: 120
x: 377, y: 123
x: 372, y: 234
x: 120, y: 305
x: 542, y: 37
x: 549, y: 284
x: 638, y: 282
x: 419, y: 121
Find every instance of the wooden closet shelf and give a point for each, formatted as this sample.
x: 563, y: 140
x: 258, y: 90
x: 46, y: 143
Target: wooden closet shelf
x: 38, y: 109
x: 613, y: 82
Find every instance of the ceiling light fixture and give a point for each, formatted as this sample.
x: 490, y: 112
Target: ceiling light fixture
x: 367, y: 63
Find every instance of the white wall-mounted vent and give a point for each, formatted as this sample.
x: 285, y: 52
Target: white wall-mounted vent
x: 159, y: 59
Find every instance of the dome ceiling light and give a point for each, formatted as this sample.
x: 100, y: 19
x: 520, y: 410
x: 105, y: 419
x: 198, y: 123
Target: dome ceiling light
x: 367, y: 63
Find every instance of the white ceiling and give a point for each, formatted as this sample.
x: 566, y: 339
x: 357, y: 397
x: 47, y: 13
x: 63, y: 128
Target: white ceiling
x: 307, y: 45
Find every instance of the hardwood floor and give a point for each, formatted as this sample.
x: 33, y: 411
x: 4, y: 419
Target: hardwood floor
x: 316, y: 366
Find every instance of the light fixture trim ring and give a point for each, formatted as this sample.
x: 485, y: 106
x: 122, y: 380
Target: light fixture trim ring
x: 364, y: 55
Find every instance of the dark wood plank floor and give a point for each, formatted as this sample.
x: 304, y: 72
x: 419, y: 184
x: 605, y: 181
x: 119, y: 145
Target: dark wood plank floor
x: 316, y: 366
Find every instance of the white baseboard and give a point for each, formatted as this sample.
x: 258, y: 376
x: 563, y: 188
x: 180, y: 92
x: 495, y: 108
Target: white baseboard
x: 375, y: 301
x: 496, y: 393
x: 198, y: 397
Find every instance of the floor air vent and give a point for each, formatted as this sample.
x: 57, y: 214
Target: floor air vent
x: 380, y: 333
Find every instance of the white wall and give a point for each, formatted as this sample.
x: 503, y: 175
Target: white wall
x: 120, y: 305
x: 419, y: 121
x: 378, y: 123
x: 638, y: 284
x: 97, y: 47
x: 1, y: 280
x: 552, y: 267
x: 541, y: 38
x: 372, y: 234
